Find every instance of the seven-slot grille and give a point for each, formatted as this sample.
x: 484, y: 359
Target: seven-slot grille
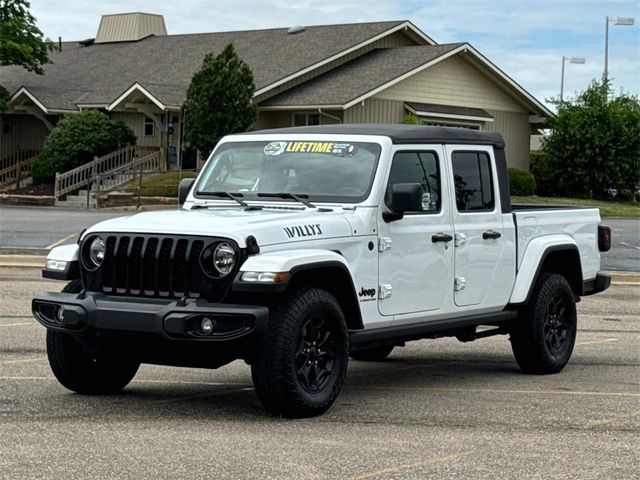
x: 155, y: 266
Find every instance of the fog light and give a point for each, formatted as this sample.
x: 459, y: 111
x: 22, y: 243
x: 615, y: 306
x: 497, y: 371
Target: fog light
x: 206, y: 326
x: 60, y: 314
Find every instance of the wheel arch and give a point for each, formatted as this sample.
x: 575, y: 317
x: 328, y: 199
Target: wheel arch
x: 317, y: 268
x: 335, y: 278
x: 559, y: 258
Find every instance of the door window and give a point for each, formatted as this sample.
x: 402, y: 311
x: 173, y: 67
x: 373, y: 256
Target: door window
x: 417, y: 167
x: 473, y: 183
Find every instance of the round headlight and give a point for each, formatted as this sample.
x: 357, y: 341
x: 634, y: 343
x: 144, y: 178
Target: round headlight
x: 224, y: 258
x: 97, y: 250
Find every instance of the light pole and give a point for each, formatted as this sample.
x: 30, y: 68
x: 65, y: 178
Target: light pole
x: 578, y: 60
x: 626, y: 21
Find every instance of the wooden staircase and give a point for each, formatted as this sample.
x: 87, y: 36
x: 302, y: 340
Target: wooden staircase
x: 77, y: 188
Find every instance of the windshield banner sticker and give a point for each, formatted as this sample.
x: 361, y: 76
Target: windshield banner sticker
x: 331, y: 148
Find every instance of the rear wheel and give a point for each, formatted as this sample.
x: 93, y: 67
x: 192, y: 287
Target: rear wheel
x: 82, y: 373
x: 302, y: 358
x: 543, y: 336
x: 375, y: 354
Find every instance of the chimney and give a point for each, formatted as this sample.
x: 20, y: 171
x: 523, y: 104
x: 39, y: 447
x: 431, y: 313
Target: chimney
x: 129, y: 27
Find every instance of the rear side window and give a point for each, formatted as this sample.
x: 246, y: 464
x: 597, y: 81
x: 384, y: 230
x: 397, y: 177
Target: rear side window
x: 417, y: 167
x: 473, y: 183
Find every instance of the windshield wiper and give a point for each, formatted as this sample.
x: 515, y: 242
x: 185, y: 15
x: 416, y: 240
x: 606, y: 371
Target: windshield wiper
x: 232, y: 196
x: 299, y: 198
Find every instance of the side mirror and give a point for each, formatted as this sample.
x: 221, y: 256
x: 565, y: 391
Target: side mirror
x: 184, y: 188
x: 405, y: 197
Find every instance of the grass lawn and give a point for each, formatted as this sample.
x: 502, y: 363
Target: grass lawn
x: 608, y: 208
x: 160, y: 185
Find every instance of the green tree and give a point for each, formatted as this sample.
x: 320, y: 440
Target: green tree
x: 219, y: 100
x: 21, y: 41
x: 76, y: 139
x: 594, y: 145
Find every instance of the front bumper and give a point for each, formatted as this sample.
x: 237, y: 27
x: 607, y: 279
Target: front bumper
x: 172, y: 319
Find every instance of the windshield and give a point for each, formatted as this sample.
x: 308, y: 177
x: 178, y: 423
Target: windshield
x: 323, y: 171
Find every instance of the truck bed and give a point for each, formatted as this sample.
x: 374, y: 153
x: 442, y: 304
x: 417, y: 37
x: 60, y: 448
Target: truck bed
x: 524, y: 206
x: 578, y: 223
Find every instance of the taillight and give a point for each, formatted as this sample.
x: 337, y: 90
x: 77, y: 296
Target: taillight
x: 604, y: 238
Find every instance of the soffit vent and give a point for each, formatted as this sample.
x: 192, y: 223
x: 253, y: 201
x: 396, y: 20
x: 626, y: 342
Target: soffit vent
x: 129, y: 27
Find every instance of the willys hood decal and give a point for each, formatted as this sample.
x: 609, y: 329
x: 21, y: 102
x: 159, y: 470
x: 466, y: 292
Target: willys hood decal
x: 268, y: 226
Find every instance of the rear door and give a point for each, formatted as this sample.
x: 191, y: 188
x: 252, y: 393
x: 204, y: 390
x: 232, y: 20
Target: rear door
x: 416, y: 272
x: 477, y: 220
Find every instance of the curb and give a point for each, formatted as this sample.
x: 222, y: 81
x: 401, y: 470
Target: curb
x: 625, y: 278
x: 38, y: 261
x: 23, y: 261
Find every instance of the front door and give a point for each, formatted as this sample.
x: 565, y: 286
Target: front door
x: 415, y: 263
x: 479, y: 236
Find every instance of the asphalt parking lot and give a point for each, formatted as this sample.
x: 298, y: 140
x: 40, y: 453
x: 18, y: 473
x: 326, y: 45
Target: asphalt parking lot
x: 436, y: 409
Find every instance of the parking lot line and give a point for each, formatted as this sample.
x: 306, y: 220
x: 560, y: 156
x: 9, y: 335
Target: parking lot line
x: 26, y: 378
x: 500, y: 391
x: 594, y: 342
x: 62, y: 240
x: 410, y: 466
x: 21, y: 324
x: 607, y: 421
x: 31, y: 360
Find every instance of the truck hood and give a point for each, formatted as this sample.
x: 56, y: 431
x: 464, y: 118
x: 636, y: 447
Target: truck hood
x: 268, y: 226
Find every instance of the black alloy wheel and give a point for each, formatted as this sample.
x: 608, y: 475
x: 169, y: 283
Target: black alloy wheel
x: 316, y: 354
x: 555, y: 325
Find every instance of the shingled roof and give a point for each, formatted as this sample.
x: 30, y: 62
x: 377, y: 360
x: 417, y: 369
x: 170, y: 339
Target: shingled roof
x: 364, y: 74
x: 97, y: 74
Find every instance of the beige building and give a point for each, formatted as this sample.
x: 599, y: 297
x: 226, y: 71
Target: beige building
x: 354, y: 73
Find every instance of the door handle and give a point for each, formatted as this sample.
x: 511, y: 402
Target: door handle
x: 491, y: 234
x: 441, y: 237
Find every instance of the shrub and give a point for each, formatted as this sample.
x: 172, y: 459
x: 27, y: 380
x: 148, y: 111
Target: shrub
x: 521, y: 182
x: 410, y: 119
x: 544, y: 173
x: 76, y: 139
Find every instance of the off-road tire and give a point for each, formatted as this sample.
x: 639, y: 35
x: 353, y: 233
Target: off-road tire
x: 544, y: 334
x: 375, y: 354
x: 280, y: 364
x: 82, y: 373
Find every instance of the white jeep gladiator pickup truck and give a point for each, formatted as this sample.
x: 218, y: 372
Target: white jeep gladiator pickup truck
x: 298, y: 248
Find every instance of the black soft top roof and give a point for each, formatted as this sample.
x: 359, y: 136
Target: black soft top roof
x: 400, y: 134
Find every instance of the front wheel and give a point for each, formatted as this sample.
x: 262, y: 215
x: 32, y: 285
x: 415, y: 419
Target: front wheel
x: 302, y: 358
x: 543, y: 337
x: 82, y: 373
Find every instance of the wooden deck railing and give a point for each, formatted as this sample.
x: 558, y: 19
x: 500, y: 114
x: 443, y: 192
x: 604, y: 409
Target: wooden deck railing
x: 16, y: 172
x: 83, y: 175
x: 18, y: 155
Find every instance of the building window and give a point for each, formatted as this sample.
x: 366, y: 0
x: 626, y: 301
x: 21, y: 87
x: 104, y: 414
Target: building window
x: 435, y: 123
x: 472, y: 178
x: 149, y: 127
x: 304, y: 119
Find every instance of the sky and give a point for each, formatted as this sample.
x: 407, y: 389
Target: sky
x: 526, y: 39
